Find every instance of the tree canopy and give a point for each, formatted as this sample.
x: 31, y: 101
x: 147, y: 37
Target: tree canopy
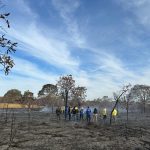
x: 48, y: 89
x: 12, y: 95
x: 78, y: 95
x: 141, y: 93
x: 7, y: 47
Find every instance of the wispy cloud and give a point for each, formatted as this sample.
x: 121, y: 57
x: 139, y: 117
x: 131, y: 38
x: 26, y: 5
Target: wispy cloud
x: 140, y: 8
x: 100, y: 66
x: 32, y: 41
x: 26, y: 68
x: 45, y: 47
x: 51, y: 50
x: 66, y: 10
x: 112, y: 65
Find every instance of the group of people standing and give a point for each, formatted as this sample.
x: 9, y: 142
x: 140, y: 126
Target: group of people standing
x: 77, y: 114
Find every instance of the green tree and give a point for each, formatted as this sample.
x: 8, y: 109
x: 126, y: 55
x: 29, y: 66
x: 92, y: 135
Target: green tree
x: 48, y: 89
x: 13, y: 95
x: 48, y: 94
x: 28, y: 98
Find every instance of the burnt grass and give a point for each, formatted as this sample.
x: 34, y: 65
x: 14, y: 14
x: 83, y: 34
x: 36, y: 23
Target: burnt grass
x: 44, y: 132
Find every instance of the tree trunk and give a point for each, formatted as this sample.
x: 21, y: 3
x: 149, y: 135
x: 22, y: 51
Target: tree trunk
x: 29, y: 116
x: 66, y: 103
x: 116, y: 105
x: 144, y: 107
x: 6, y: 113
x: 52, y: 108
x: 113, y: 110
x: 12, y: 131
x: 127, y: 110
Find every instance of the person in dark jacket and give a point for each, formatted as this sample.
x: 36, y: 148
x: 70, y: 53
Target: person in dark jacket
x: 74, y: 113
x: 95, y: 112
x: 58, y: 113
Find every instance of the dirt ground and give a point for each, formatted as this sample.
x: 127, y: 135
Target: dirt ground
x: 44, y: 132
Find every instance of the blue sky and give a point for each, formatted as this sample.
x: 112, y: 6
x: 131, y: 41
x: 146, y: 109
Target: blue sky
x: 103, y: 44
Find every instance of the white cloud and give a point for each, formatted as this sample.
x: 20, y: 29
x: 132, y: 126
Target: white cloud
x: 23, y: 7
x: 20, y: 12
x: 26, y: 76
x: 21, y: 83
x: 140, y: 8
x: 49, y: 49
x: 66, y: 10
x: 110, y: 72
x: 97, y: 84
x: 113, y: 66
x: 34, y: 42
x: 26, y: 68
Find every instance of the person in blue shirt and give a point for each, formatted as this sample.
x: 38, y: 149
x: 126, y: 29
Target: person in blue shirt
x: 88, y: 114
x: 58, y: 113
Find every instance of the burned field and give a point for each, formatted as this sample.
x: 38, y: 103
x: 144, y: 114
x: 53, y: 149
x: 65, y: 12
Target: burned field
x: 44, y: 132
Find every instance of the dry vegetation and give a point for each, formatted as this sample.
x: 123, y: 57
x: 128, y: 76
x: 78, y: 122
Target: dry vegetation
x: 15, y: 105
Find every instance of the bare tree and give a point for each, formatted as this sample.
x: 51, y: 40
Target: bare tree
x: 141, y: 93
x: 65, y: 85
x: 11, y: 96
x: 28, y: 100
x: 122, y: 92
x: 6, y: 112
x: 51, y: 100
x: 78, y: 95
x: 12, y: 129
x: 126, y: 101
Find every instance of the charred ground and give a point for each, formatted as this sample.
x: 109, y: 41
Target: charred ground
x: 44, y: 132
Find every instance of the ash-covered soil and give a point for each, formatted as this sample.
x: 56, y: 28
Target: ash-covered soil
x: 44, y: 132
